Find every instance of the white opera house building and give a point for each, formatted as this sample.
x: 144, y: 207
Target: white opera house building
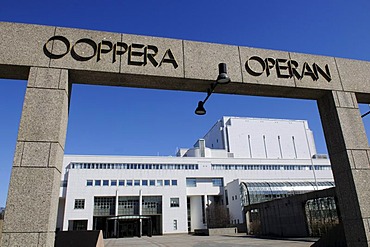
x: 239, y: 161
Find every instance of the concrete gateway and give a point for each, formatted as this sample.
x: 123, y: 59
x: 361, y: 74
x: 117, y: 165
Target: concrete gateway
x: 52, y: 58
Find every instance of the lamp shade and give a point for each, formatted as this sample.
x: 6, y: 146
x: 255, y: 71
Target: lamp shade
x: 200, y: 109
x: 222, y: 77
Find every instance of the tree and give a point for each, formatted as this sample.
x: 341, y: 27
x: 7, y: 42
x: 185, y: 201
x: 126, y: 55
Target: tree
x: 217, y: 216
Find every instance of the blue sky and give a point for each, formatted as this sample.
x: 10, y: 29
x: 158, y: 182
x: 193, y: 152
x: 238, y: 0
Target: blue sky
x: 128, y: 121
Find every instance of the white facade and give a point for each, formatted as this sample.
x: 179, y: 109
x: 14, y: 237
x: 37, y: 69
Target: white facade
x: 235, y: 150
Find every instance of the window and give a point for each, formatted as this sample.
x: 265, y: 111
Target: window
x: 152, y: 182
x: 79, y: 203
x: 113, y: 183
x: 159, y: 182
x: 226, y: 198
x: 121, y: 183
x: 191, y: 182
x: 174, y: 182
x: 129, y: 182
x: 167, y: 182
x: 64, y: 183
x: 137, y: 182
x: 175, y: 224
x: 78, y: 225
x: 97, y: 182
x: 144, y: 182
x: 174, y: 202
x: 89, y: 183
x: 217, y: 182
x: 105, y: 182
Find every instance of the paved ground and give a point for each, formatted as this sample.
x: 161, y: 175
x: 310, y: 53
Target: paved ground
x: 205, y: 241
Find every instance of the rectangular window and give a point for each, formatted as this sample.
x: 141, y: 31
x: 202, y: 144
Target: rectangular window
x: 203, y: 211
x: 129, y: 182
x: 105, y: 182
x: 137, y: 182
x: 174, y: 202
x: 79, y: 203
x: 144, y: 182
x: 175, y: 224
x: 159, y: 182
x: 217, y: 182
x: 226, y: 198
x: 113, y: 183
x: 78, y: 225
x: 97, y: 182
x: 64, y: 183
x: 121, y: 183
x: 167, y: 182
x: 152, y: 182
x: 89, y: 183
x: 191, y: 182
x: 174, y: 182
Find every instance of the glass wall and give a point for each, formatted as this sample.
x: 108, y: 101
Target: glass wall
x: 255, y: 192
x: 104, y: 206
x: 321, y: 215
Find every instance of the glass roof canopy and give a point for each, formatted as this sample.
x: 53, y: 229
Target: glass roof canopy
x: 255, y: 192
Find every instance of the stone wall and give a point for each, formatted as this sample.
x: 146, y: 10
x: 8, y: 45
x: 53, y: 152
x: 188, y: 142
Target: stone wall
x: 1, y: 228
x: 284, y: 217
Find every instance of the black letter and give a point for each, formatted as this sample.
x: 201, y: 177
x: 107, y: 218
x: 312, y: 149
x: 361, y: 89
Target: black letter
x: 325, y: 74
x: 170, y: 59
x: 56, y: 56
x: 280, y: 67
x: 137, y: 54
x: 100, y: 50
x: 293, y: 70
x: 260, y: 61
x: 308, y: 71
x: 81, y: 58
x: 270, y: 62
x: 151, y: 56
x: 119, y: 52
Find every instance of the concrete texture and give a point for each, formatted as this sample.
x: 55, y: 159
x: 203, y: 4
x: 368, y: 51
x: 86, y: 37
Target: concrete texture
x: 83, y: 49
x: 207, y: 241
x: 39, y: 103
x: 32, y: 202
x: 246, y: 53
x: 155, y: 68
x: 322, y: 83
x: 348, y: 68
x: 201, y: 61
x: 1, y: 229
x: 26, y: 45
x: 21, y: 44
x: 348, y: 146
x: 40, y: 145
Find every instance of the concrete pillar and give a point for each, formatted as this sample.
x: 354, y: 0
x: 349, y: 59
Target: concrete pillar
x: 31, y: 209
x: 349, y: 153
x: 196, y: 213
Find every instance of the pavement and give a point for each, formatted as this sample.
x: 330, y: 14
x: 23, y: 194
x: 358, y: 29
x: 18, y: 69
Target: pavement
x: 182, y: 240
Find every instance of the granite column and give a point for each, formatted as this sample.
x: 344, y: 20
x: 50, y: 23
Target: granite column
x: 31, y: 209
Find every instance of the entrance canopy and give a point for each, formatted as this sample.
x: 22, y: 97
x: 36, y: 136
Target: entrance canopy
x: 129, y: 217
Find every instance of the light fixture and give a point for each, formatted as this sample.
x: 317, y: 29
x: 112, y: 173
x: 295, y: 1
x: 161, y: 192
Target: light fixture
x: 200, y: 109
x: 222, y: 78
